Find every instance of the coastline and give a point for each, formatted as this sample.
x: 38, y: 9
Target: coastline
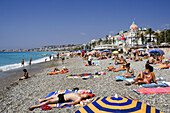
x: 11, y: 78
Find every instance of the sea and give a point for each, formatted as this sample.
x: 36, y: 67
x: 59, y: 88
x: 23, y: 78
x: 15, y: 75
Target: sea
x: 12, y: 60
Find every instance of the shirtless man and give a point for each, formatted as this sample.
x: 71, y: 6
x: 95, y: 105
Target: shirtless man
x: 62, y: 98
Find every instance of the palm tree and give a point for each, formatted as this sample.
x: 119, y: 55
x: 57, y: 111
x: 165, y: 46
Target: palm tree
x: 150, y: 32
x: 142, y: 37
x: 157, y: 36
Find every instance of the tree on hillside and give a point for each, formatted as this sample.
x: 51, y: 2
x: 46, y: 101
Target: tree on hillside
x: 99, y: 41
x: 150, y: 32
x: 93, y: 44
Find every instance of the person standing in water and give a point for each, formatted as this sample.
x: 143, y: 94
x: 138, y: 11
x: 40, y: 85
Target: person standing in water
x: 22, y: 62
x: 30, y: 61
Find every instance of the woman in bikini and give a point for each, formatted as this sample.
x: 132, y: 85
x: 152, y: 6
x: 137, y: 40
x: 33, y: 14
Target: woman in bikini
x: 146, y: 77
x: 129, y: 71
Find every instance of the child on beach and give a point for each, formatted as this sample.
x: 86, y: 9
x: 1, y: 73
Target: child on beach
x: 25, y: 75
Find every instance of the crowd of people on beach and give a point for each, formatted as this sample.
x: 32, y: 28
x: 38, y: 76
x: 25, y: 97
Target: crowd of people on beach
x: 146, y: 76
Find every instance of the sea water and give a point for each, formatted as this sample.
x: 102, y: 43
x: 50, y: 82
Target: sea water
x: 12, y: 60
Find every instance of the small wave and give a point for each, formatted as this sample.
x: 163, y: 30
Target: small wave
x: 18, y: 65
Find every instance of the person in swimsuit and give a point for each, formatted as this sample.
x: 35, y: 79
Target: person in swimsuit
x: 22, y: 62
x: 146, y: 77
x: 63, y: 58
x: 25, y: 75
x: 151, y: 59
x: 129, y: 71
x: 110, y: 68
x: 30, y: 61
x: 63, y: 98
x: 134, y: 57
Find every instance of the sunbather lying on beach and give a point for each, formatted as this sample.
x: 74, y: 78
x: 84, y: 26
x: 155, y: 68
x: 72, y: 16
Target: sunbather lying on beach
x: 110, y: 68
x: 62, y: 98
x: 134, y: 57
x: 121, y: 61
x: 129, y: 71
x: 146, y: 77
x: 25, y: 75
x: 56, y: 71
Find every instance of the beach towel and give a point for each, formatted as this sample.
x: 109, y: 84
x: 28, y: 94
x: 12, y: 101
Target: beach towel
x: 122, y: 78
x: 153, y: 85
x: 153, y: 90
x: 168, y: 83
x: 162, y: 66
x: 86, y: 75
x: 82, y: 103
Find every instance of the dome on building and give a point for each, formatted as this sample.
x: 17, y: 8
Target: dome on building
x: 133, y: 27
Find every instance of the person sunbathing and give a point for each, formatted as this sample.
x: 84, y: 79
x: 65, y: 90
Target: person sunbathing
x: 110, y: 68
x: 56, y: 71
x: 134, y: 57
x: 120, y: 69
x: 129, y: 71
x: 146, y: 77
x: 151, y: 59
x: 158, y: 60
x: 145, y: 57
x: 63, y: 98
x: 25, y: 75
x: 121, y: 61
x: 139, y: 58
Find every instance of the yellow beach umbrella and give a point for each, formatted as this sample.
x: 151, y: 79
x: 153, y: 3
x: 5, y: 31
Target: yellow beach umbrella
x: 119, y: 104
x: 115, y: 52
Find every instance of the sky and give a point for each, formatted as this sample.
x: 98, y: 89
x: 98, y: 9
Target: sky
x: 35, y: 23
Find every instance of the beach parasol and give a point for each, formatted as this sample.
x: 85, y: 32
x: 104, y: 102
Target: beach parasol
x: 121, y: 104
x: 140, y: 49
x: 106, y: 50
x: 152, y: 51
x: 115, y: 52
x: 160, y: 51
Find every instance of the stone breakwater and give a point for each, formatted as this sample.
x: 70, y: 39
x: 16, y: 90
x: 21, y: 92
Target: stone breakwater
x: 19, y: 97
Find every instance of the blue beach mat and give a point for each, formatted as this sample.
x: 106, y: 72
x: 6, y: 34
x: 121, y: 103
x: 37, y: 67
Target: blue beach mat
x: 152, y: 85
x: 122, y: 78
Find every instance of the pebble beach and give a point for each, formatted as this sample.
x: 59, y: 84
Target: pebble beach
x: 22, y: 94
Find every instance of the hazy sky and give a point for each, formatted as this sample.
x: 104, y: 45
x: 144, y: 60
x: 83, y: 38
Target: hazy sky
x: 36, y: 23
